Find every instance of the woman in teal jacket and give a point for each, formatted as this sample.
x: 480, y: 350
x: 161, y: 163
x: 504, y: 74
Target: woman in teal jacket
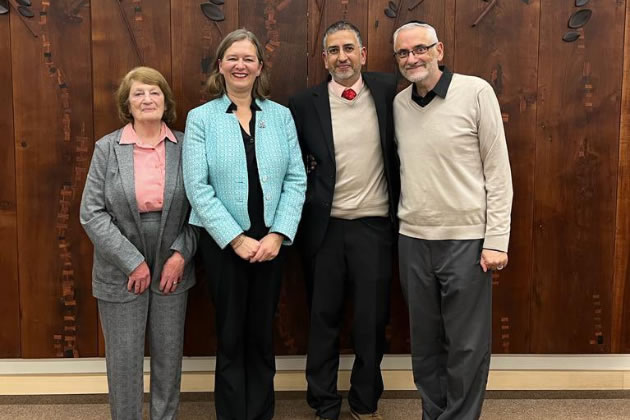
x: 245, y: 181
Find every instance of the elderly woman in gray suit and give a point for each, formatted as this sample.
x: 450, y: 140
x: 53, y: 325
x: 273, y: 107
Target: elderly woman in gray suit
x: 135, y: 211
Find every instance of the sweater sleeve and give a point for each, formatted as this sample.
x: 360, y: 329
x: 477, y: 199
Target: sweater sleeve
x: 496, y: 169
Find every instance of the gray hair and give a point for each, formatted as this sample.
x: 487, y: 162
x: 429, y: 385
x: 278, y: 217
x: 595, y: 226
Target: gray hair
x: 431, y: 29
x: 342, y: 25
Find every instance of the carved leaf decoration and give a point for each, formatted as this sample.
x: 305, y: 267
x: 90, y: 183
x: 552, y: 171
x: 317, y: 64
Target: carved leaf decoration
x: 390, y: 13
x: 580, y: 3
x: 217, y: 2
x: 571, y: 36
x: 580, y: 18
x: 212, y: 12
x: 25, y: 11
x: 393, y: 6
x: 27, y: 3
x: 4, y: 7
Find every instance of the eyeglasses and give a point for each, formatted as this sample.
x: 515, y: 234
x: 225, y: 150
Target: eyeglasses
x: 416, y: 51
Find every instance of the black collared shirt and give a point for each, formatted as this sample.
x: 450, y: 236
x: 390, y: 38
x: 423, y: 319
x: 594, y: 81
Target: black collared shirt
x: 440, y: 89
x: 255, y: 204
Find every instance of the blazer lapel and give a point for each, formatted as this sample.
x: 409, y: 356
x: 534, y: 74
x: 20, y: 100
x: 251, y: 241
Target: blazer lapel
x: 173, y: 152
x: 379, y: 104
x: 124, y: 155
x: 322, y: 106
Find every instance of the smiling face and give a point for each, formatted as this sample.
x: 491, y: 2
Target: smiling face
x: 240, y: 66
x: 422, y: 68
x: 146, y: 102
x: 343, y: 57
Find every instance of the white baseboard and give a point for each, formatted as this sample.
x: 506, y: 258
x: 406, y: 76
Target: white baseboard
x: 507, y: 372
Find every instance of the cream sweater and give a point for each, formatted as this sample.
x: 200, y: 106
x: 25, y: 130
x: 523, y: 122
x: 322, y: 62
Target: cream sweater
x: 455, y: 170
x: 360, y: 186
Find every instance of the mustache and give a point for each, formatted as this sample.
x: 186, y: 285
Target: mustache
x: 414, y: 66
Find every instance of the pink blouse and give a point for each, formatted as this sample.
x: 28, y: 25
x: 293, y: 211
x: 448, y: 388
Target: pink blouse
x: 149, y: 167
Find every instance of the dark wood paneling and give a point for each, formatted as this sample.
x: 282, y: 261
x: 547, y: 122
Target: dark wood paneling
x: 117, y: 48
x: 10, y: 298
x: 53, y: 129
x: 196, y: 39
x: 512, y: 72
x: 321, y: 14
x: 576, y: 179
x: 139, y: 32
x: 620, y: 337
x: 280, y: 25
x: 381, y: 28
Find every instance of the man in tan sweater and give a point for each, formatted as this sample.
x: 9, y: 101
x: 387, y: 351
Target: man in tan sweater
x: 346, y: 132
x: 454, y: 212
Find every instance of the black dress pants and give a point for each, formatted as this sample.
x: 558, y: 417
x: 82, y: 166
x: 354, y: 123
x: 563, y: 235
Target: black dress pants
x: 245, y: 297
x: 355, y: 260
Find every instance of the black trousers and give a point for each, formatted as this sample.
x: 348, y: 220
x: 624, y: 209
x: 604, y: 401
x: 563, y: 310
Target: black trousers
x: 245, y: 297
x: 354, y: 260
x: 450, y: 315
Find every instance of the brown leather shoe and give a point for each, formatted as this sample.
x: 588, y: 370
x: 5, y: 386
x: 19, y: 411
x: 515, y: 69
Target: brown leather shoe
x: 371, y: 416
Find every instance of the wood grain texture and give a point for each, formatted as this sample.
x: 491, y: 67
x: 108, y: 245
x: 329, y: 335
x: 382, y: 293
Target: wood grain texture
x: 10, y: 298
x: 114, y: 54
x: 195, y: 39
x: 355, y: 12
x: 576, y: 180
x: 381, y: 28
x: 620, y: 330
x: 53, y: 132
x: 512, y: 72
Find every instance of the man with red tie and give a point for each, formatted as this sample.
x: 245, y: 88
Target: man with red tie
x: 345, y: 129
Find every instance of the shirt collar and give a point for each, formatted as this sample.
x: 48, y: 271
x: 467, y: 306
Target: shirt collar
x: 129, y: 135
x: 337, y: 88
x: 232, y: 107
x: 441, y: 87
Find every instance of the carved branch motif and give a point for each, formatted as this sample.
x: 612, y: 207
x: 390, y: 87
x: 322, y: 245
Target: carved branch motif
x: 77, y: 155
x: 23, y: 7
x: 132, y: 35
x: 484, y: 12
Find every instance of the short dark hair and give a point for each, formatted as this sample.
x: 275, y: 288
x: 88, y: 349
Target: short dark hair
x: 342, y: 25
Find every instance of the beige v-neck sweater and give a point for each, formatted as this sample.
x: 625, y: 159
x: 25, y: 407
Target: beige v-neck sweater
x: 360, y: 187
x: 455, y: 171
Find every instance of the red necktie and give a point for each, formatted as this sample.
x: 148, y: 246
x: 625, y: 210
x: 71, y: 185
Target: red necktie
x: 349, y: 94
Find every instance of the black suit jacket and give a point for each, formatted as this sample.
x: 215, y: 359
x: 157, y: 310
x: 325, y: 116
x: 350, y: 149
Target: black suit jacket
x: 311, y: 112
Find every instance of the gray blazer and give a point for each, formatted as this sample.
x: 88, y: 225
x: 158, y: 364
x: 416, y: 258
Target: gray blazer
x: 109, y: 214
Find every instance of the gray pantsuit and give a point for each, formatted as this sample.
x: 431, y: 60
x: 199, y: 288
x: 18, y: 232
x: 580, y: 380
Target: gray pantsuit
x: 450, y: 313
x: 123, y: 238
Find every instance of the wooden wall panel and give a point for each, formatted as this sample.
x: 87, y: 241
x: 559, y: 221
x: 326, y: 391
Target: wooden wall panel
x: 620, y: 337
x: 10, y: 298
x: 512, y: 73
x: 195, y: 39
x: 381, y: 28
x: 118, y: 47
x: 53, y: 131
x: 139, y: 32
x: 576, y: 179
x: 321, y: 14
x: 280, y: 26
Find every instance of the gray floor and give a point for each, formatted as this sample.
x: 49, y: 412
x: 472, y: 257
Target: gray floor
x: 394, y: 406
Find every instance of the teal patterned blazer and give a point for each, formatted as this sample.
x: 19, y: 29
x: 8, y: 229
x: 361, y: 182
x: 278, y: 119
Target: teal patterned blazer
x: 215, y: 170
